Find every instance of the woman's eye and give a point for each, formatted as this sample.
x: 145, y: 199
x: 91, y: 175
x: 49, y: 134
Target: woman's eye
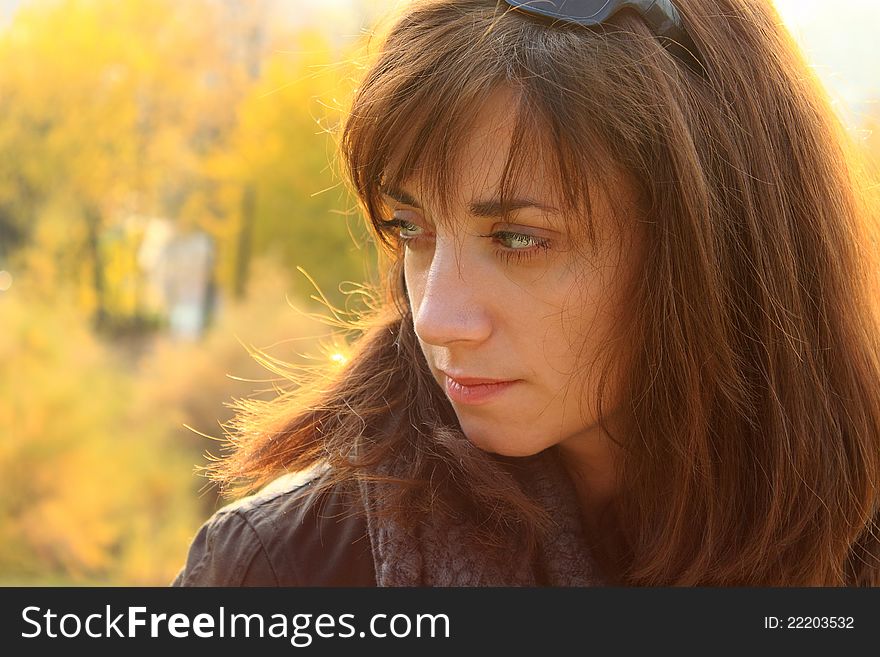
x: 408, y: 229
x: 509, y: 245
x: 517, y: 241
x: 402, y: 228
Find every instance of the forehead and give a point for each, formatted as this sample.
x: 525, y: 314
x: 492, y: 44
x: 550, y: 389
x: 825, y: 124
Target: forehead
x: 494, y: 153
x: 503, y: 149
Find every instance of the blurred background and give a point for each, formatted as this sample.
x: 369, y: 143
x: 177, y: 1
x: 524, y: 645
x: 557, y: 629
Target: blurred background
x: 170, y: 198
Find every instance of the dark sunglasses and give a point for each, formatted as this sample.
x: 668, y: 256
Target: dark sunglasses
x: 661, y: 16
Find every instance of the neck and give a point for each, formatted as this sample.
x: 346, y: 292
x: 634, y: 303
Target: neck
x: 595, y: 485
x: 589, y: 459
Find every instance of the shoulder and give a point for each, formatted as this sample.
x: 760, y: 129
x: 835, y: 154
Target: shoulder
x: 292, y: 533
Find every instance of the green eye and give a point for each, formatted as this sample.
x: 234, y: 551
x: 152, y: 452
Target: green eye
x: 397, y: 227
x: 511, y: 246
x: 518, y: 247
x: 407, y: 229
x: 515, y: 240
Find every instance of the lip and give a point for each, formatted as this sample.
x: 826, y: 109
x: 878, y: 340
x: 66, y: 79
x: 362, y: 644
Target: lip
x: 474, y: 390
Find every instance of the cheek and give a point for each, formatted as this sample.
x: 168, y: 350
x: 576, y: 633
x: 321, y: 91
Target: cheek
x: 573, y: 346
x: 414, y: 282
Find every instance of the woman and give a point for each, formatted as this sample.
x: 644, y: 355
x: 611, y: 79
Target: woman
x: 630, y: 334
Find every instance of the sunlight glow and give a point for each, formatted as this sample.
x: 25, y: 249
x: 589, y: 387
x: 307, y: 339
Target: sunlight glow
x: 838, y: 39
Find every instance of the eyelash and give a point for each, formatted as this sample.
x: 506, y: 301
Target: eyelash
x: 393, y: 226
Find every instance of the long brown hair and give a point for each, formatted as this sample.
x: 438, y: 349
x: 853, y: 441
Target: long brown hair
x: 751, y: 448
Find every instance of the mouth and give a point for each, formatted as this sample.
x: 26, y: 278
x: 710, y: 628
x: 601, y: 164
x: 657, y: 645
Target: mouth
x: 475, y: 390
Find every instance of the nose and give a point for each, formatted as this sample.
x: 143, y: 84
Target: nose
x: 449, y: 299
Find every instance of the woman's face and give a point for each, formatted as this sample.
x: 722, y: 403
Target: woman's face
x: 511, y: 317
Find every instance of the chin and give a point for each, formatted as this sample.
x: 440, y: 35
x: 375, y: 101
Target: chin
x: 504, y: 446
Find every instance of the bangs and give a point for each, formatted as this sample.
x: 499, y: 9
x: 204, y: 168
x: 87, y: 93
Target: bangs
x: 428, y: 156
x: 417, y: 107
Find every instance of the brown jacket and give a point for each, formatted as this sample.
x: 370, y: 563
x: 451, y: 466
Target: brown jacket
x: 286, y: 535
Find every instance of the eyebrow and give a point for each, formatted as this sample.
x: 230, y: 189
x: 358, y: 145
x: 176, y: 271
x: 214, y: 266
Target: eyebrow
x: 487, y: 209
x: 495, y: 208
x: 400, y: 196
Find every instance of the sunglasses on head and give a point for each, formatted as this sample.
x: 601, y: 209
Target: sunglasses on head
x: 661, y: 16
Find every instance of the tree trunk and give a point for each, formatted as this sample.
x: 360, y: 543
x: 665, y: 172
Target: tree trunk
x: 245, y: 239
x: 93, y: 234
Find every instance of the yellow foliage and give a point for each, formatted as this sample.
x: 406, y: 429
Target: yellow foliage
x: 77, y: 479
x: 150, y: 108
